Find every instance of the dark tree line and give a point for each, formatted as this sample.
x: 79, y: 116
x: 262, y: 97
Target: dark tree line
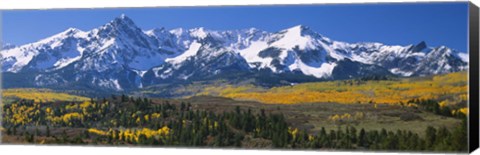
x: 434, y: 107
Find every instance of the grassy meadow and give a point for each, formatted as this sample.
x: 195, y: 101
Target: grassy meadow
x: 39, y: 95
x: 449, y: 88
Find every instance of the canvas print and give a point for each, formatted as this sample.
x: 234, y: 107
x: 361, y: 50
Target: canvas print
x: 366, y: 77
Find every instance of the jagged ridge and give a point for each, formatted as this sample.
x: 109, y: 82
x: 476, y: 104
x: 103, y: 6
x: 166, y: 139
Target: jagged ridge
x: 120, y: 56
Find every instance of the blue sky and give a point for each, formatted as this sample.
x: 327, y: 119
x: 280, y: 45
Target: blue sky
x: 396, y: 24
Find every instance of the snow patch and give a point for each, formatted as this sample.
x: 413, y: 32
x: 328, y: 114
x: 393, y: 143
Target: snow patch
x: 199, y: 33
x: 463, y: 56
x: 192, y: 51
x: 251, y: 54
x: 331, y: 51
x: 397, y: 71
x: 167, y: 73
x: 140, y: 72
x: 293, y: 37
x: 325, y: 70
x: 110, y: 83
x: 21, y: 57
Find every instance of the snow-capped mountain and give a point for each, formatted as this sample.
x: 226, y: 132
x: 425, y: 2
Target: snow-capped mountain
x: 120, y: 56
x: 5, y: 46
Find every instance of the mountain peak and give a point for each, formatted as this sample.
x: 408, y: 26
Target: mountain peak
x: 298, y: 28
x: 420, y: 46
x: 123, y: 16
x: 159, y: 30
x: 199, y: 32
x: 301, y: 30
x: 253, y: 29
x: 177, y: 31
x: 121, y: 24
x: 303, y: 27
x: 198, y: 29
x: 6, y: 46
x: 70, y: 31
x: 122, y: 20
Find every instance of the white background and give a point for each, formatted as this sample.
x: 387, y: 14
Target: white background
x: 72, y: 150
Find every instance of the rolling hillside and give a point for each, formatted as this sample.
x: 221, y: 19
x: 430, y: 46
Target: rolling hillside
x: 39, y: 95
x: 450, y: 88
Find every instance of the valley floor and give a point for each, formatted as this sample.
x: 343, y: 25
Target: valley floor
x: 432, y: 120
x: 91, y: 124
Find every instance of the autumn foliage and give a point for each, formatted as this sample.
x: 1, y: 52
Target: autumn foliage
x: 40, y: 95
x: 356, y: 91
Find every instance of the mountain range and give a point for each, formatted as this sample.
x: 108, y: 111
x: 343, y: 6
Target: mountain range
x: 119, y: 56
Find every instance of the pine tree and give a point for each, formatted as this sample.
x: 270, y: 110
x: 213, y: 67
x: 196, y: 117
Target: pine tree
x: 460, y: 137
x: 86, y: 134
x: 362, y: 138
x: 124, y: 98
x: 430, y: 135
x: 353, y: 135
